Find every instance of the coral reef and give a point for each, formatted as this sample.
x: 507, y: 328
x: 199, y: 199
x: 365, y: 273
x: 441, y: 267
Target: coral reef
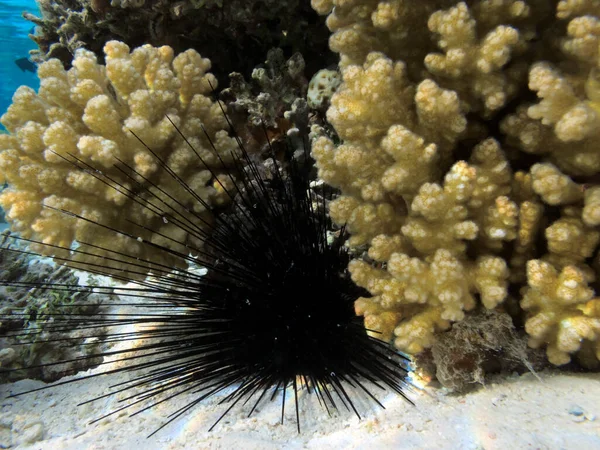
x: 468, y: 164
x: 96, y: 116
x: 46, y: 322
x: 464, y: 145
x: 235, y: 34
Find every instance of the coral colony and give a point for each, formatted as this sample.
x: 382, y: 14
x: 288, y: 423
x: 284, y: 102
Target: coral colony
x: 454, y: 149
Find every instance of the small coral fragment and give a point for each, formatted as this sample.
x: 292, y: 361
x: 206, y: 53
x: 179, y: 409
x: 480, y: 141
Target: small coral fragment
x: 554, y: 187
x: 591, y: 210
x: 321, y: 87
x: 480, y: 59
x: 559, y: 311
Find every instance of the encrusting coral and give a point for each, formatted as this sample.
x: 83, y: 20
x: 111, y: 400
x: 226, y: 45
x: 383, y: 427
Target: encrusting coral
x: 86, y: 118
x: 461, y: 186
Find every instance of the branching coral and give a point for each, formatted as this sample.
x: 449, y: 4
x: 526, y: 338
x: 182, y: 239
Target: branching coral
x: 457, y: 182
x: 86, y: 118
x: 413, y: 298
x: 565, y: 116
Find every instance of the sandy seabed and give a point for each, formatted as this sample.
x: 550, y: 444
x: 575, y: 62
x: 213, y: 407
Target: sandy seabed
x: 559, y: 412
x: 555, y: 410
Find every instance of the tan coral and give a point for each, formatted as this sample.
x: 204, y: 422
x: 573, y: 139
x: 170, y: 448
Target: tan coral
x: 418, y: 334
x: 384, y: 159
x: 362, y: 26
x: 583, y: 39
x: 571, y: 8
x: 389, y: 127
x: 91, y: 112
x: 414, y: 299
x: 494, y: 174
x: 530, y: 221
x: 368, y: 85
x: 490, y: 277
x: 573, y: 120
x: 494, y: 212
x: 499, y: 223
x: 439, y: 217
x: 427, y: 296
x: 471, y: 204
x: 383, y: 246
x: 415, y: 162
x: 365, y: 220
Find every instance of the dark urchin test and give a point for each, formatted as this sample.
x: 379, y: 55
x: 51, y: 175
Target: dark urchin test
x: 272, y: 316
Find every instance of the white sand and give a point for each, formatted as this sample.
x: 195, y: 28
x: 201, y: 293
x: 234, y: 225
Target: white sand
x: 560, y: 412
x: 513, y: 412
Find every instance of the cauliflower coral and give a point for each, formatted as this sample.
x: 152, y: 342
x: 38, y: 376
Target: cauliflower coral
x: 462, y: 187
x: 87, y: 142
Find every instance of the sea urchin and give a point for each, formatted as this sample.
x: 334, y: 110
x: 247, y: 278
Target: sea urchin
x: 273, y: 311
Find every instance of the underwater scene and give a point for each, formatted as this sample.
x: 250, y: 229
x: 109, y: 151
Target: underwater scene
x: 16, y: 68
x: 299, y: 224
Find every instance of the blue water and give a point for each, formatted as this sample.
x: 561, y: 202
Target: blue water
x: 14, y: 44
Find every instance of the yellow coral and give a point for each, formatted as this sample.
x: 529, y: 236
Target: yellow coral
x: 591, y: 211
x: 439, y: 218
x: 480, y: 59
x: 530, y: 219
x: 561, y: 312
x: 444, y: 149
x: 414, y: 161
x: 384, y: 159
x: 362, y: 26
x: 564, y: 124
x: 413, y: 299
x: 88, y: 116
x: 554, y: 187
x: 570, y: 242
x: 365, y: 220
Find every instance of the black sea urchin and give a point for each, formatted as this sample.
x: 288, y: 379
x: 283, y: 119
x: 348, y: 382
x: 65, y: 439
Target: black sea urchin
x: 274, y: 310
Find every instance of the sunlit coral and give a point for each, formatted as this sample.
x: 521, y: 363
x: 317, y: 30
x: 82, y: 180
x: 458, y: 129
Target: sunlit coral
x: 96, y: 117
